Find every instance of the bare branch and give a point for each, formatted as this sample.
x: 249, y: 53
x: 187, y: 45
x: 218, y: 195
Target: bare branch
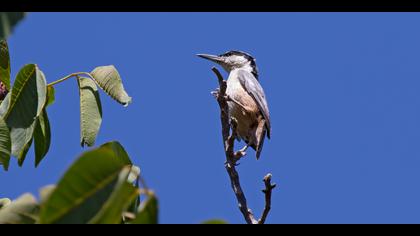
x: 267, y: 192
x: 232, y: 157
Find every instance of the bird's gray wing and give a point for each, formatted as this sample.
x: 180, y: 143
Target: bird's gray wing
x: 254, y: 89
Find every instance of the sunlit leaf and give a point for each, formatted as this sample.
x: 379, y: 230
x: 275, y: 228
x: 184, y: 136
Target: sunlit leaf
x: 28, y: 97
x: 86, y: 186
x: 108, y: 78
x: 90, y: 111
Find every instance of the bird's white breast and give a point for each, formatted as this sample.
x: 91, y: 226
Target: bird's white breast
x: 233, y: 84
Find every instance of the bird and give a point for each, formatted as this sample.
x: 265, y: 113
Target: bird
x: 247, y: 102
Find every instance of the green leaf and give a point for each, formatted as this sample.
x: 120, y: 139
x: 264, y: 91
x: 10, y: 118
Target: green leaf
x: 86, y: 186
x: 148, y: 212
x: 118, y: 151
x: 124, y: 193
x: 22, y: 211
x: 28, y: 97
x: 25, y: 138
x: 4, y: 202
x: 4, y: 64
x: 50, y: 96
x: 42, y: 137
x: 5, y: 144
x: 7, y: 21
x: 108, y: 78
x: 90, y: 111
x: 214, y: 222
x: 22, y: 154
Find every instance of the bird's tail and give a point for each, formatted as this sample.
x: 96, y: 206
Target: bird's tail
x: 260, y: 133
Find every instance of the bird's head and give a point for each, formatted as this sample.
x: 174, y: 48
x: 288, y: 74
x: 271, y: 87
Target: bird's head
x: 233, y: 60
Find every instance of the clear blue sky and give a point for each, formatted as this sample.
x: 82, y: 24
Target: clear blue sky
x: 343, y: 91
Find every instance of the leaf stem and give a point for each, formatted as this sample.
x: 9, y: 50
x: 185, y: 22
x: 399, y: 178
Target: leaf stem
x: 68, y: 77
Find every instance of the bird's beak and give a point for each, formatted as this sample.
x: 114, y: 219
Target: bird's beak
x: 213, y: 58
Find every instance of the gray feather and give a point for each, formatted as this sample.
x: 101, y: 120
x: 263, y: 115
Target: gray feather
x: 254, y: 89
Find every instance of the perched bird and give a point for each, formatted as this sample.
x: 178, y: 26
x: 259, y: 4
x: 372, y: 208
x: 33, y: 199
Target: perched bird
x: 247, y: 102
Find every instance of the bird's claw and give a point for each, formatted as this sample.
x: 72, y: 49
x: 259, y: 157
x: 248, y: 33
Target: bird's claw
x: 239, y: 154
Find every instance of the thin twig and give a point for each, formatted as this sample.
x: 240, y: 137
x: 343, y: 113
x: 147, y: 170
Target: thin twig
x: 68, y: 77
x: 232, y: 157
x: 267, y: 192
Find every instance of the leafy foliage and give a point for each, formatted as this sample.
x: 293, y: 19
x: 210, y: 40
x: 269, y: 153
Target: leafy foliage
x: 90, y: 111
x: 27, y: 100
x: 95, y: 189
x: 83, y: 189
x: 102, y: 186
x: 24, y: 108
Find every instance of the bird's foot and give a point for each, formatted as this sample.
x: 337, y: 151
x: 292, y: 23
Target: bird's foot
x: 241, y: 153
